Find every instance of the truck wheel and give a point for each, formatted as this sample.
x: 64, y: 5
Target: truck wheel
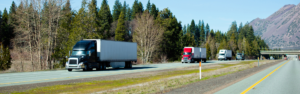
x: 99, y: 67
x: 69, y: 69
x: 204, y: 60
x: 86, y: 68
x: 103, y: 66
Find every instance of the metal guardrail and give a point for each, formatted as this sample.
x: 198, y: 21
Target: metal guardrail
x: 281, y: 52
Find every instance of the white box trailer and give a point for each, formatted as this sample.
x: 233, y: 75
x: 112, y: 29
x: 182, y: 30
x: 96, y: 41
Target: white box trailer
x: 98, y: 53
x: 115, y: 51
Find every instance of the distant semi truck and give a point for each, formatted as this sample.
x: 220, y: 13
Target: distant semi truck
x: 97, y: 53
x: 240, y: 56
x: 192, y: 54
x: 225, y: 54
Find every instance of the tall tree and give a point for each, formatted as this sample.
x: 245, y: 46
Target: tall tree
x: 5, y: 29
x: 124, y: 9
x: 154, y: 11
x: 184, y: 30
x: 232, y: 29
x: 148, y: 7
x: 193, y: 27
x: 202, y: 34
x: 172, y: 28
x: 64, y: 32
x: 207, y: 30
x: 147, y: 35
x: 117, y: 10
x: 120, y: 31
x: 105, y: 19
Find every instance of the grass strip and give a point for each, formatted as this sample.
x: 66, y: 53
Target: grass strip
x: 94, y: 86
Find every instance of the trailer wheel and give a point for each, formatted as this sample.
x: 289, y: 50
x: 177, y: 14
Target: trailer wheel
x: 69, y: 69
x: 99, y: 67
x: 129, y: 65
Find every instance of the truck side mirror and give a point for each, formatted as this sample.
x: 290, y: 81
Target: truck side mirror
x: 89, y: 53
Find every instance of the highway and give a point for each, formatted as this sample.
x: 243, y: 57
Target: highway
x: 21, y: 78
x: 283, y: 78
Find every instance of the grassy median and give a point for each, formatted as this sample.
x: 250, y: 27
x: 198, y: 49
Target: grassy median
x: 95, y: 86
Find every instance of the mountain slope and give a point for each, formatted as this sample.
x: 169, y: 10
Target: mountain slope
x: 281, y: 29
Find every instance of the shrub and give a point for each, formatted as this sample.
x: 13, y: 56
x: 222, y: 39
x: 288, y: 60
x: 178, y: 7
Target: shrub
x: 5, y: 58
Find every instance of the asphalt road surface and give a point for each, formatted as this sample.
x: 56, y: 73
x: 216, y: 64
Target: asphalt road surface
x: 283, y: 78
x: 11, y: 79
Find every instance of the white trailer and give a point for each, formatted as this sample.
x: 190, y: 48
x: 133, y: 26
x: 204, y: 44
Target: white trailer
x: 97, y: 53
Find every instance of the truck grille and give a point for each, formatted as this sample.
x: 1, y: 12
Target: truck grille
x: 73, y: 62
x: 185, y: 58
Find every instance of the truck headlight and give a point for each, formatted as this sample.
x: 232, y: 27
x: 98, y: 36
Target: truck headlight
x: 81, y: 64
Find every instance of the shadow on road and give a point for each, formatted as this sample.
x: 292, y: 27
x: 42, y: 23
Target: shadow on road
x: 114, y: 69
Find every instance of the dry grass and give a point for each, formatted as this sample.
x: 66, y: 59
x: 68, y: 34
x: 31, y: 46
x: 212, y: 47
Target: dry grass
x: 152, y: 84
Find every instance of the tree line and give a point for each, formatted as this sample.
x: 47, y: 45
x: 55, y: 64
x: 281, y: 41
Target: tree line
x: 44, y: 31
x: 238, y: 39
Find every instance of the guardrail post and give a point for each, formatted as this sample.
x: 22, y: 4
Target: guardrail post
x: 258, y: 62
x: 200, y: 69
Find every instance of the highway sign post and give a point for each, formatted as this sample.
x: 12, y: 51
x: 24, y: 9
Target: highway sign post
x: 200, y: 69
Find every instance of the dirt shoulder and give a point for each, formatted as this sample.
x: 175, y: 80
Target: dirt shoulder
x: 215, y: 84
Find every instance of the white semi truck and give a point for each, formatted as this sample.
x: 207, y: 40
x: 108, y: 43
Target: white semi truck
x: 98, y: 53
x: 192, y: 54
x: 225, y: 54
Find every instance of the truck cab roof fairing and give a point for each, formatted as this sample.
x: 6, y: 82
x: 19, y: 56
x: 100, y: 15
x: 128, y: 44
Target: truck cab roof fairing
x: 81, y: 45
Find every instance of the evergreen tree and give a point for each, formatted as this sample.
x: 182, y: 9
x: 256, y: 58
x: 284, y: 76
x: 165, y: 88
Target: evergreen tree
x: 105, y: 19
x: 207, y: 31
x: 137, y: 8
x: 63, y: 33
x: 202, y: 34
x: 193, y: 27
x: 208, y: 51
x: 218, y: 36
x: 5, y: 58
x: 170, y: 44
x: 124, y: 9
x: 148, y: 7
x: 184, y: 30
x: 5, y: 39
x: 120, y: 31
x: 117, y: 10
x: 154, y: 11
x: 128, y: 14
x: 233, y: 29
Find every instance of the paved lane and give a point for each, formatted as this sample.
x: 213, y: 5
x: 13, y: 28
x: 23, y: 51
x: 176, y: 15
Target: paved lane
x: 10, y: 79
x: 284, y: 80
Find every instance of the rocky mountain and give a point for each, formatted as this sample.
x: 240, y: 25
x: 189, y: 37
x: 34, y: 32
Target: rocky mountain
x: 281, y: 29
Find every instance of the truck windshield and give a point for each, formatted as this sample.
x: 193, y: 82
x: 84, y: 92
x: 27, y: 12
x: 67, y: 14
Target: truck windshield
x: 78, y: 52
x: 186, y: 53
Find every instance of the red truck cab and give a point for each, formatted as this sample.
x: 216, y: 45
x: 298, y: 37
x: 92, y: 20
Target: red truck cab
x: 187, y: 55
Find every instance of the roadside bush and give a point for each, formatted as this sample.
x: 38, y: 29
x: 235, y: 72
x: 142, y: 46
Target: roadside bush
x: 5, y: 58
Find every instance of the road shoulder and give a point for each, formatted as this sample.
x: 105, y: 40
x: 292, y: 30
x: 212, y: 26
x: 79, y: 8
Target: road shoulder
x: 213, y: 85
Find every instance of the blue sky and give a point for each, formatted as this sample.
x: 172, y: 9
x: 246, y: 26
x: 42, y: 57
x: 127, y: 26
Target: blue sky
x: 219, y: 14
